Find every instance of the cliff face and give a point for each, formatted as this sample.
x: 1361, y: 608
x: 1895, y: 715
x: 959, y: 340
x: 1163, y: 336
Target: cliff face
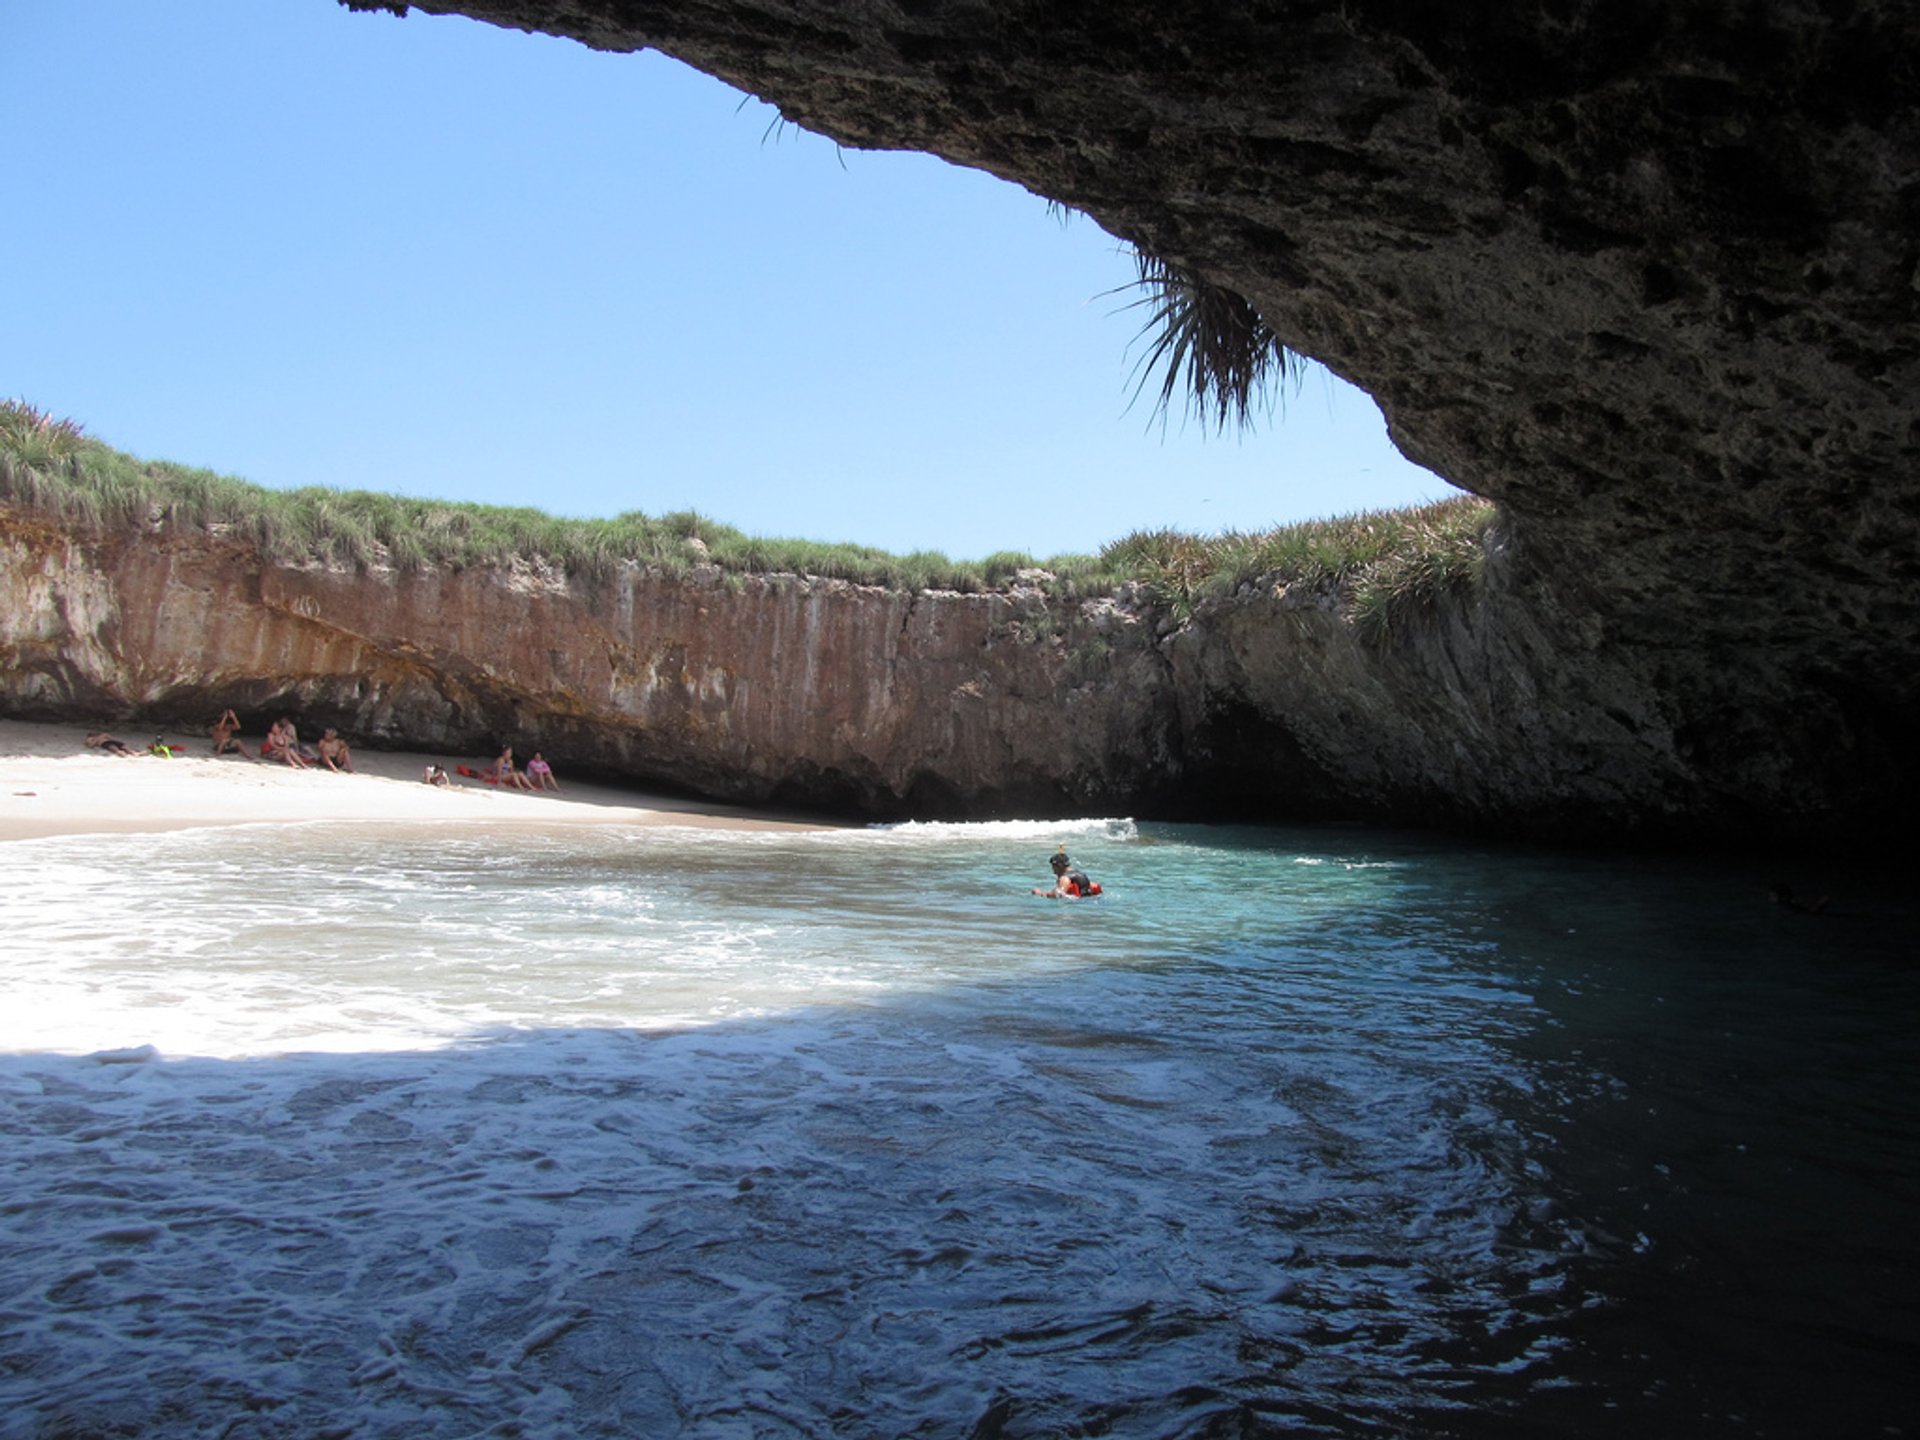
x: 1647, y: 275
x: 1268, y: 703
x: 768, y: 689
x: 1643, y: 273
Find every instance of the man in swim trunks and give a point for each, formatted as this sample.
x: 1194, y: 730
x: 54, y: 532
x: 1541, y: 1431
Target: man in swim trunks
x: 226, y: 731
x: 334, y: 753
x: 100, y: 740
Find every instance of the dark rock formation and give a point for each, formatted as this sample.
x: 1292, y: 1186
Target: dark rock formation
x: 815, y: 693
x: 1643, y: 273
x: 1269, y: 702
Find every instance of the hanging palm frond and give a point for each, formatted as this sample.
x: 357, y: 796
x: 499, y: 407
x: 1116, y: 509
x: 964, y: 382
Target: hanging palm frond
x: 1210, y: 343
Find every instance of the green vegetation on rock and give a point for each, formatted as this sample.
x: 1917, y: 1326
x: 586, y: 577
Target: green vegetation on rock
x: 1385, y: 563
x: 1382, y: 565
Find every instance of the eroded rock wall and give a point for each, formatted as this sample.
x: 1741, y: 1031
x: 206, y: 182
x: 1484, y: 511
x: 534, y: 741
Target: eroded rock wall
x: 1646, y: 274
x: 769, y: 689
x: 1474, y: 712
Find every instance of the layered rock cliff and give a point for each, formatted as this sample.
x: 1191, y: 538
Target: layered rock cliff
x: 773, y: 689
x: 1268, y: 702
x: 1643, y: 273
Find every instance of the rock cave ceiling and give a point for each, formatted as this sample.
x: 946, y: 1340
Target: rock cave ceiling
x: 1643, y: 273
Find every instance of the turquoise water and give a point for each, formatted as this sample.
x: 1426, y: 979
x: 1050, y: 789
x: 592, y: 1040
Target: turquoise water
x: 333, y: 1130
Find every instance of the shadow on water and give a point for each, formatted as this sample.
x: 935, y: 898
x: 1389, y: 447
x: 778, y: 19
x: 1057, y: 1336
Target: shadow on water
x: 1397, y: 1139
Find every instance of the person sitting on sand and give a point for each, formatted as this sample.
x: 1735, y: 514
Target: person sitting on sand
x: 334, y: 753
x: 1069, y: 883
x: 303, y: 750
x: 540, y: 774
x: 283, y: 743
x: 100, y: 740
x: 504, y: 774
x: 434, y: 775
x: 226, y: 735
x: 160, y: 747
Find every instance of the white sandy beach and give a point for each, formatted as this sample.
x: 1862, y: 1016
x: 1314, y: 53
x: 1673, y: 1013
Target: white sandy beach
x: 51, y: 784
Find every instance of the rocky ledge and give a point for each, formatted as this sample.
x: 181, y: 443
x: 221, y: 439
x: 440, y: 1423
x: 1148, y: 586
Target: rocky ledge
x: 1270, y: 701
x: 1645, y: 274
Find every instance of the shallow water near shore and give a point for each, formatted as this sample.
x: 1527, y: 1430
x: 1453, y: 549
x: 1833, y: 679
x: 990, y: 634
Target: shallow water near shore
x: 440, y: 1131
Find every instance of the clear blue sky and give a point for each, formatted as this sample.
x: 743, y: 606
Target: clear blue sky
x: 305, y: 246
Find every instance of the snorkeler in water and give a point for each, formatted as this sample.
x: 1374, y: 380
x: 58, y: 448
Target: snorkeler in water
x: 1069, y: 882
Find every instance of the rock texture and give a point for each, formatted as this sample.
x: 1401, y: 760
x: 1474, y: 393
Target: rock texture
x: 1268, y: 703
x: 783, y: 690
x: 1643, y: 273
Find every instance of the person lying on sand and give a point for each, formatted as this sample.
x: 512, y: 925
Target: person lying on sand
x: 226, y: 735
x: 334, y: 753
x: 100, y: 740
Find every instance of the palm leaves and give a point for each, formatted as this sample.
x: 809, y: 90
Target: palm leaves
x: 1208, y: 342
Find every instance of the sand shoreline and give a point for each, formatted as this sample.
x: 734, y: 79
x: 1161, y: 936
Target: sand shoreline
x: 51, y: 784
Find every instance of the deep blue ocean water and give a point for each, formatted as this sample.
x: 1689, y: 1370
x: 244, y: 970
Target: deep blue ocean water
x: 356, y: 1131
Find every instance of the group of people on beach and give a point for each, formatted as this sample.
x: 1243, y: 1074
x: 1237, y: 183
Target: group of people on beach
x: 331, y: 752
x: 537, y: 776
x: 504, y: 773
x: 282, y: 743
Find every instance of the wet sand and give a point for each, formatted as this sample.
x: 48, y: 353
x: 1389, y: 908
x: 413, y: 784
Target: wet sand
x: 51, y: 784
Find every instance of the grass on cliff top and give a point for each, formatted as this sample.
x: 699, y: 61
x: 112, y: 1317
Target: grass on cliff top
x: 1386, y: 563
